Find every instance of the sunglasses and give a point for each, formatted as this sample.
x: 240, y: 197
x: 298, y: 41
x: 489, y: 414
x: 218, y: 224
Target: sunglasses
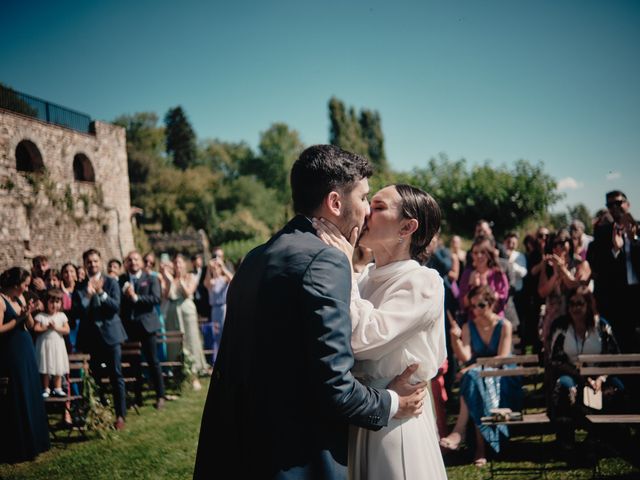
x: 560, y: 243
x: 578, y: 303
x: 615, y: 203
x: 479, y: 305
x: 543, y: 235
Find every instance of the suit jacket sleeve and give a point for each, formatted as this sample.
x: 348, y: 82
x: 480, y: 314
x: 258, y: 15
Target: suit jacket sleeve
x: 110, y: 305
x: 325, y: 300
x: 154, y: 295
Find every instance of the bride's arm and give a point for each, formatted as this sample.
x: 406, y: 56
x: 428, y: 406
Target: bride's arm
x: 408, y: 307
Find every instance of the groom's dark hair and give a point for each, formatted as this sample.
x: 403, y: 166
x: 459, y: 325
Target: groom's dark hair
x: 321, y: 169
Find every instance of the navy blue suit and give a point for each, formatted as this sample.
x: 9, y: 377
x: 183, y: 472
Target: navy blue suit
x: 141, y: 323
x: 101, y: 334
x: 282, y: 395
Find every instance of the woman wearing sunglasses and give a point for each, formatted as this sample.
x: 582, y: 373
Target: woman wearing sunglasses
x: 581, y: 331
x: 486, y: 335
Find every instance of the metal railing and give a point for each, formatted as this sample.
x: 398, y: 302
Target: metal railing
x: 42, y: 110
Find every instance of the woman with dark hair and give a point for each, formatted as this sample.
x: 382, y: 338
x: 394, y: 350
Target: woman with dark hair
x: 581, y: 331
x: 486, y: 335
x: 397, y: 314
x: 484, y: 270
x: 25, y: 431
x: 563, y: 271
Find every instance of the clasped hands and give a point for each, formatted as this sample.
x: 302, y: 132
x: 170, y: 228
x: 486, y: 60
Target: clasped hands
x: 95, y: 286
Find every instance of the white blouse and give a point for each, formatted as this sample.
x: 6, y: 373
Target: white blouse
x: 397, y: 314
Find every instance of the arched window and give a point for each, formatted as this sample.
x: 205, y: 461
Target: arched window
x: 28, y: 157
x: 82, y: 168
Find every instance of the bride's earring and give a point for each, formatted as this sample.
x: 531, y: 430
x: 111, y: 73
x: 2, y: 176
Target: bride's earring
x: 400, y: 239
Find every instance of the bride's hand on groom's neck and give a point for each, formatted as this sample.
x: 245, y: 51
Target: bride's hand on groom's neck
x: 411, y: 396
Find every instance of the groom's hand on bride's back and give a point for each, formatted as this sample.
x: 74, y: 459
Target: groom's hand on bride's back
x: 411, y: 401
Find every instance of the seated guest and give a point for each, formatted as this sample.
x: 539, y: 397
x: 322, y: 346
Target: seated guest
x: 486, y: 335
x: 23, y: 421
x: 484, y: 270
x: 582, y: 331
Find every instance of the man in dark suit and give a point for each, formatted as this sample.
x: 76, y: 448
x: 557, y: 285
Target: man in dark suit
x: 282, y: 395
x: 96, y: 302
x: 614, y: 257
x: 141, y: 294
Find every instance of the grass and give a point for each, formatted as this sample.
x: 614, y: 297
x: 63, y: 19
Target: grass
x: 162, y: 445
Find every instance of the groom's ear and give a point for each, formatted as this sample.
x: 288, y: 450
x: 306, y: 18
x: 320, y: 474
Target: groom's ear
x: 333, y: 203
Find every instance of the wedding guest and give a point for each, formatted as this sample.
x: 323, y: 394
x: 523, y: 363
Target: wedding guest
x: 457, y: 251
x: 580, y: 332
x: 579, y: 238
x: 25, y: 432
x: 52, y: 279
x: 486, y: 335
x: 40, y: 264
x: 182, y: 314
x: 149, y: 265
x: 114, y: 268
x: 217, y: 280
x: 51, y: 352
x: 484, y: 270
x: 81, y: 273
x: 563, y: 271
x: 141, y: 294
x: 96, y: 302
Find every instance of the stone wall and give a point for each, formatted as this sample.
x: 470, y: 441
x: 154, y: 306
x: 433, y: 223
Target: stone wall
x: 52, y: 213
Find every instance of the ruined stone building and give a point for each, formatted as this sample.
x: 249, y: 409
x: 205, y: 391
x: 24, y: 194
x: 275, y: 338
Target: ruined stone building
x: 64, y: 185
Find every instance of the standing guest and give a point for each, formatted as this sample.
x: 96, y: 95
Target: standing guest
x: 580, y: 332
x: 457, y: 252
x: 52, y: 278
x: 182, y: 314
x: 40, y: 264
x: 68, y: 285
x: 23, y: 419
x: 141, y: 294
x: 579, y: 238
x: 518, y: 268
x: 149, y: 265
x: 217, y: 282
x: 614, y: 256
x: 51, y: 352
x: 563, y: 272
x: 486, y: 335
x: 201, y: 295
x: 81, y: 273
x: 114, y: 268
x: 531, y: 300
x: 96, y: 301
x: 484, y: 270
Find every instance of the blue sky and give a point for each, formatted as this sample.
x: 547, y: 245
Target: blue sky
x: 550, y: 81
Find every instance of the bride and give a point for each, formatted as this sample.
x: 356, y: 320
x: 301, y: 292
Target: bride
x: 397, y: 309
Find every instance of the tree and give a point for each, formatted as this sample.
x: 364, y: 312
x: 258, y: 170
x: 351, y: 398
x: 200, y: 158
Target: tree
x: 180, y: 138
x: 230, y: 159
x: 359, y: 134
x: 145, y: 142
x: 506, y: 197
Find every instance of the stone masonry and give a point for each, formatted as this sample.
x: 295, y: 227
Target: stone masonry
x: 52, y: 213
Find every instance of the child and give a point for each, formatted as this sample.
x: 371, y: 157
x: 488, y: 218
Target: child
x: 51, y: 352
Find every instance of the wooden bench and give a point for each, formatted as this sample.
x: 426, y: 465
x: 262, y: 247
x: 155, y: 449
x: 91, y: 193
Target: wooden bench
x: 74, y: 404
x: 622, y: 364
x: 172, y: 370
x: 527, y: 366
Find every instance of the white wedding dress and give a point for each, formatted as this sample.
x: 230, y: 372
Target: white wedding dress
x: 397, y: 320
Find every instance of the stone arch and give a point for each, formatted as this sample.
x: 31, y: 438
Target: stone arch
x: 28, y: 157
x: 83, y: 169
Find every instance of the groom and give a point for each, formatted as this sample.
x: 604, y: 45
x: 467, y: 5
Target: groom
x: 282, y: 395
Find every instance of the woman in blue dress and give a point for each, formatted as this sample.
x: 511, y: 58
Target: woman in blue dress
x: 487, y: 335
x: 217, y: 281
x: 25, y: 431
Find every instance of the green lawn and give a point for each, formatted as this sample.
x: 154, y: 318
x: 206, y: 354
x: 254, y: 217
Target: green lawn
x: 161, y: 445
